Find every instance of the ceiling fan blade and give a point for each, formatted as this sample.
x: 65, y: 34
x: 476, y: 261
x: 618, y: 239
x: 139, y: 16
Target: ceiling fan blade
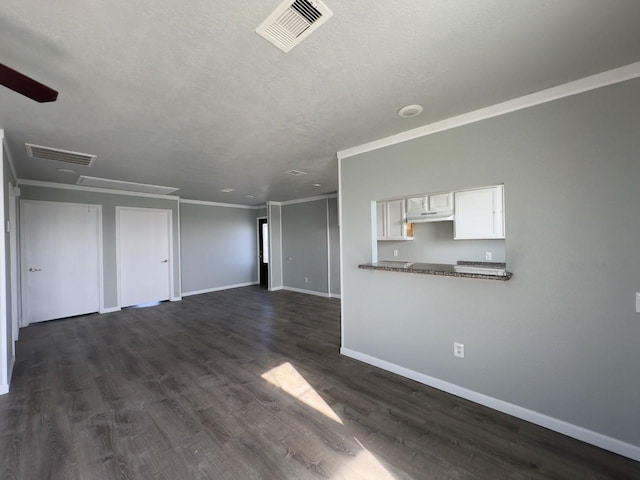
x: 26, y: 86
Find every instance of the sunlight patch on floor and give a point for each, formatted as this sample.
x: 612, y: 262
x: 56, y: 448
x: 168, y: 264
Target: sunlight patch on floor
x: 289, y: 379
x: 365, y: 466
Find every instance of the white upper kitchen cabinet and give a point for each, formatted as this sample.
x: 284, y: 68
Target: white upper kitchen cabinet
x: 440, y: 202
x: 391, y: 218
x: 479, y: 213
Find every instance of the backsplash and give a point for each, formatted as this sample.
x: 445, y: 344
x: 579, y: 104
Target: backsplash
x: 434, y: 243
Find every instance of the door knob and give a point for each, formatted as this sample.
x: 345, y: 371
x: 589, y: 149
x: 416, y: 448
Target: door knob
x: 164, y: 261
x: 35, y: 269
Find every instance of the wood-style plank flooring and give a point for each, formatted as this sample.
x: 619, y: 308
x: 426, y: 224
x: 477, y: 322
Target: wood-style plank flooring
x: 246, y: 384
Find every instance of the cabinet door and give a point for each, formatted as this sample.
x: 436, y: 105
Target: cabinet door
x: 381, y: 220
x: 479, y: 213
x: 396, y: 220
x: 417, y: 204
x: 441, y: 201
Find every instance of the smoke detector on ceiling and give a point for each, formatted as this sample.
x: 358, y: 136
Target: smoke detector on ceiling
x: 66, y: 156
x: 292, y: 22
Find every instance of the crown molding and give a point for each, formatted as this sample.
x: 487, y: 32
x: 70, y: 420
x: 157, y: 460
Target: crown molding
x: 610, y: 77
x: 308, y: 199
x: 218, y: 204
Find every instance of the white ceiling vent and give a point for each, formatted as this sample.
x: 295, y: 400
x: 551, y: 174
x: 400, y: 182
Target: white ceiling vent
x: 120, y: 185
x: 291, y: 22
x: 48, y: 153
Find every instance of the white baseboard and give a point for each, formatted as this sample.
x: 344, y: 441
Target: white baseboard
x: 217, y: 289
x: 308, y: 292
x: 175, y: 299
x: 275, y: 289
x: 571, y: 430
x: 335, y: 295
x: 4, y: 387
x: 110, y: 310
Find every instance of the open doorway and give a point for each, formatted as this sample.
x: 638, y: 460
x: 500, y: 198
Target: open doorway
x: 263, y: 252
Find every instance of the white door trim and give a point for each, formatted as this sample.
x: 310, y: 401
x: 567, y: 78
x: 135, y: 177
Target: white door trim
x: 328, y: 250
x: 100, y: 261
x: 6, y: 358
x: 169, y: 213
x: 172, y: 296
x: 258, y: 246
x: 23, y: 322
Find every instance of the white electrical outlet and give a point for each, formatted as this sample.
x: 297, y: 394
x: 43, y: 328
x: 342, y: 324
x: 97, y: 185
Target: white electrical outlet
x: 395, y: 253
x: 458, y: 349
x: 306, y: 279
x: 488, y: 255
x: 637, y: 302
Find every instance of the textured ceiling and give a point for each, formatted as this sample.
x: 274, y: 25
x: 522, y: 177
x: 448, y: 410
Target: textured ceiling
x: 186, y: 94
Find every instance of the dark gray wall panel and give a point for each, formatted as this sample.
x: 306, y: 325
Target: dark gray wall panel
x: 218, y: 247
x: 275, y: 245
x: 304, y: 246
x: 334, y: 246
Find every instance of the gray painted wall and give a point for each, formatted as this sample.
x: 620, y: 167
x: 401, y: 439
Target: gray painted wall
x: 560, y: 338
x: 274, y: 220
x: 109, y: 202
x: 218, y: 246
x: 434, y: 243
x: 305, y: 246
x: 307, y: 234
x: 334, y: 247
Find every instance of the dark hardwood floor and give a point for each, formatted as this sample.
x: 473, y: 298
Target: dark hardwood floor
x: 246, y: 384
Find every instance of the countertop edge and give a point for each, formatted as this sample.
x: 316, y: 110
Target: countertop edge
x: 437, y: 272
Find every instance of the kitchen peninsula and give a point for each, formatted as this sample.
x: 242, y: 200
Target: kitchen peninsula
x: 464, y: 269
x: 426, y: 234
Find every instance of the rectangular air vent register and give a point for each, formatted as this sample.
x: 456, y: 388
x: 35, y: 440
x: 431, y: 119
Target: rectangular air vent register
x: 293, y: 21
x: 58, y: 155
x: 96, y: 182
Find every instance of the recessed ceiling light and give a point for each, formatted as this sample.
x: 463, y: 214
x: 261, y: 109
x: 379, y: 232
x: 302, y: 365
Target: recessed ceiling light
x: 66, y: 170
x: 249, y: 196
x: 317, y: 184
x: 228, y: 190
x: 410, y: 111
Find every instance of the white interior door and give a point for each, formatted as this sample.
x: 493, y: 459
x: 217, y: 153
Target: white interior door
x: 60, y: 260
x: 144, y: 255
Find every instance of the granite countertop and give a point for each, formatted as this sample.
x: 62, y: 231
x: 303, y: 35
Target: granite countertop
x: 464, y: 269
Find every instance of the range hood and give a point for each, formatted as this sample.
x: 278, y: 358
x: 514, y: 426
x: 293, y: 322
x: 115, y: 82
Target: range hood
x: 430, y: 216
x: 430, y: 208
